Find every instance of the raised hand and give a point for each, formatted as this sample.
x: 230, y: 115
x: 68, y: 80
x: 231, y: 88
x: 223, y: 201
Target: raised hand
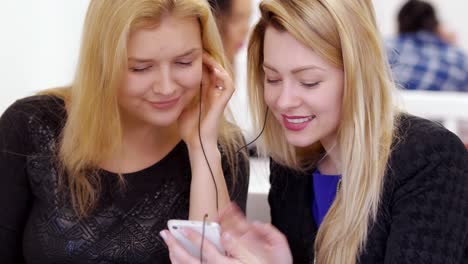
x: 216, y: 89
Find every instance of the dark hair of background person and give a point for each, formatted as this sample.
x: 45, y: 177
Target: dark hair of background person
x: 220, y: 7
x: 416, y: 15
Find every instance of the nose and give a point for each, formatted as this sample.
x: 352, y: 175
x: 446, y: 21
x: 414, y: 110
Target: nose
x: 287, y: 97
x: 164, y: 85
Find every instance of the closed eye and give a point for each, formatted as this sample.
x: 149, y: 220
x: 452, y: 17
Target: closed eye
x: 310, y: 85
x: 140, y: 69
x: 184, y: 63
x: 272, y: 81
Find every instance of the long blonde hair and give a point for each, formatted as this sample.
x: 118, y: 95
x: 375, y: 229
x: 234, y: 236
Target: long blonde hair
x: 345, y: 34
x: 93, y: 127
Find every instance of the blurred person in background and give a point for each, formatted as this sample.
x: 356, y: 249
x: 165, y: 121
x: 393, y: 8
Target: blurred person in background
x: 424, y: 55
x: 233, y: 20
x: 92, y: 172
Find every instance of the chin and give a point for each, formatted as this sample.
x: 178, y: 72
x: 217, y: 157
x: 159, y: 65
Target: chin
x: 163, y: 123
x: 165, y: 119
x: 301, y: 141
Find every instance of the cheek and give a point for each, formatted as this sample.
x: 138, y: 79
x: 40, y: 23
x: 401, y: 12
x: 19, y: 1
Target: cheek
x: 136, y: 84
x: 338, y: 109
x: 270, y: 97
x: 189, y: 78
x: 338, y: 90
x: 326, y: 102
x: 336, y: 99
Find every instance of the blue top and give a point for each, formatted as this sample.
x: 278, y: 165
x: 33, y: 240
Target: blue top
x: 324, y: 192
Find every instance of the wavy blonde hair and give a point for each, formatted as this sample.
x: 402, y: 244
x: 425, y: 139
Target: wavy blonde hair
x: 93, y: 127
x: 345, y: 34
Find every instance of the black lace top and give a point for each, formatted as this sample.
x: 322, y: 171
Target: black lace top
x: 38, y: 226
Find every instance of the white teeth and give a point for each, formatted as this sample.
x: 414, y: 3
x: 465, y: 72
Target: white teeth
x: 300, y: 120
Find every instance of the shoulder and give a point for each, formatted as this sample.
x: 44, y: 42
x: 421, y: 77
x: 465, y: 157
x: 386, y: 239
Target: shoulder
x: 36, y: 106
x: 415, y: 134
x: 278, y: 168
x: 33, y: 120
x: 401, y: 42
x: 424, y: 150
x: 286, y: 179
x: 279, y: 171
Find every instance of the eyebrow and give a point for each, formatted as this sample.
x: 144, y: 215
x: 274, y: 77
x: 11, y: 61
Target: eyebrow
x: 297, y: 70
x: 187, y: 53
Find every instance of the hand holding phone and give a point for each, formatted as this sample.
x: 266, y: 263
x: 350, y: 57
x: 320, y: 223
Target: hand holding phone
x: 212, y: 234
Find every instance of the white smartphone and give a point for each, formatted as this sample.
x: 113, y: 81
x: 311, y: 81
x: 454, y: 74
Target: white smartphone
x: 212, y: 234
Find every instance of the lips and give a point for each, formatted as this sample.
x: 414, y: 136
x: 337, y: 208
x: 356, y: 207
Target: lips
x: 297, y: 123
x: 164, y: 104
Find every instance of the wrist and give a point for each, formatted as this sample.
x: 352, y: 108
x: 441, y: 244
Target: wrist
x: 208, y: 145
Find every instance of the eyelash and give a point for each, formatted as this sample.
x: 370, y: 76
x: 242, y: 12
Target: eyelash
x: 310, y: 85
x: 185, y: 64
x: 272, y: 81
x: 140, y: 70
x: 306, y: 85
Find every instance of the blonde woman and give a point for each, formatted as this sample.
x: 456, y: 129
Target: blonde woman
x: 353, y: 180
x: 92, y: 172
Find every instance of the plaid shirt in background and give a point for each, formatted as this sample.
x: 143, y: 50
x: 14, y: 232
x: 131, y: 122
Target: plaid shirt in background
x: 422, y: 61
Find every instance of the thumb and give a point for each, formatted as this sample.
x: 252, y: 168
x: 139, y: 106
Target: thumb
x: 236, y: 248
x: 269, y: 233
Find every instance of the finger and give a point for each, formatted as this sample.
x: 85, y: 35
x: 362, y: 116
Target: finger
x: 207, y: 81
x: 269, y: 233
x: 177, y: 253
x: 220, y: 77
x: 224, y: 83
x: 235, y: 248
x: 210, y: 62
x: 210, y: 251
x: 212, y: 67
x: 232, y: 220
x: 214, y: 94
x: 225, y: 211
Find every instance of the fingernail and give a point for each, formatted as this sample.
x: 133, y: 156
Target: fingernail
x: 163, y: 235
x: 216, y: 70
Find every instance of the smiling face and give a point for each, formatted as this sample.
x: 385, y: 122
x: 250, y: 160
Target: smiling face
x: 303, y: 91
x: 164, y: 71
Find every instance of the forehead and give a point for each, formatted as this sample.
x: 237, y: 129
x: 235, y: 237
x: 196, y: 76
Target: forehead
x: 282, y: 50
x: 167, y: 38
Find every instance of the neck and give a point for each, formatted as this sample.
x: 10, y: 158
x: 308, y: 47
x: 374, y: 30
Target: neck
x: 331, y: 163
x: 147, y: 139
x: 142, y: 146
